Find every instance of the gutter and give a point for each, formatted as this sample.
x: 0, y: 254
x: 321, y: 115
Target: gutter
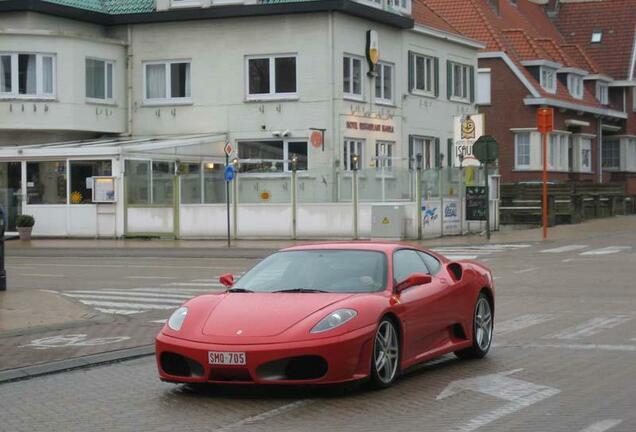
x: 574, y: 107
x: 447, y: 36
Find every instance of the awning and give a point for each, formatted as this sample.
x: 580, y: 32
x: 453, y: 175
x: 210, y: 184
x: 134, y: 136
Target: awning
x: 201, y: 146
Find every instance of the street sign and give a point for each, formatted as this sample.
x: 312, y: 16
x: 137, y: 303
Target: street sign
x: 229, y: 173
x: 476, y: 203
x: 486, y: 149
x: 545, y: 119
x: 228, y: 149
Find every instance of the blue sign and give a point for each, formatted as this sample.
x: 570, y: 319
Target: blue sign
x: 229, y: 173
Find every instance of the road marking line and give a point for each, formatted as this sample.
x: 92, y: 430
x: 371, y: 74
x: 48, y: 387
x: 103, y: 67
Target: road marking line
x: 527, y: 270
x: 177, y: 290
x: 606, y: 250
x: 193, y: 284
x: 161, y: 321
x: 126, y: 305
x: 42, y: 275
x: 266, y: 415
x: 568, y: 248
x: 580, y: 347
x: 150, y: 277
x: 118, y: 266
x: 521, y: 322
x: 138, y: 299
x: 602, y: 426
x: 590, y: 327
x: 133, y: 294
x: 119, y: 311
x: 460, y: 257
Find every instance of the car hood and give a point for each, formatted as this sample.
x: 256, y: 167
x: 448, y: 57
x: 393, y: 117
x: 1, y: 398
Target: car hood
x: 264, y: 314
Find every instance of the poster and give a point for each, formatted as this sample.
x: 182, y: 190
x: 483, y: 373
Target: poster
x: 476, y: 203
x: 104, y: 189
x: 467, y: 129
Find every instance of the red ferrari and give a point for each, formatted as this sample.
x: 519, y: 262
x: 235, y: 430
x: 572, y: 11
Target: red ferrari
x: 331, y: 313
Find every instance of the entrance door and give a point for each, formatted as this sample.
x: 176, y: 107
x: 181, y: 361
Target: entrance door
x: 10, y: 190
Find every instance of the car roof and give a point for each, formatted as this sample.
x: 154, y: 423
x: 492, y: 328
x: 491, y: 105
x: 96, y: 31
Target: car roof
x: 381, y: 246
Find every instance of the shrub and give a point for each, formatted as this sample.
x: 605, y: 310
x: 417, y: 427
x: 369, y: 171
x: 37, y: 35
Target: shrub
x: 23, y: 221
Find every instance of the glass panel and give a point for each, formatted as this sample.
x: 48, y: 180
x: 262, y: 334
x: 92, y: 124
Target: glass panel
x: 95, y: 79
x: 156, y: 81
x: 5, y: 74
x: 46, y: 182
x: 419, y: 73
x: 10, y: 190
x: 357, y: 76
x: 190, y: 183
x: 378, y: 83
x: 26, y: 74
x: 109, y: 80
x: 268, y: 154
x: 80, y: 172
x: 162, y: 182
x: 387, y: 80
x: 264, y: 189
x: 406, y: 262
x: 214, y: 183
x: 285, y: 74
x: 298, y: 149
x: 47, y: 75
x: 138, y: 182
x: 180, y: 80
x: 318, y: 186
x: 346, y: 75
x: 259, y: 76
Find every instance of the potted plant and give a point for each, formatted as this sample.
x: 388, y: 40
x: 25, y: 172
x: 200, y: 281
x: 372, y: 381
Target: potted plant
x: 25, y: 223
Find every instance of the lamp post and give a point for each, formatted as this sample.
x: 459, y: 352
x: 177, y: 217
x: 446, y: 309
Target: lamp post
x: 418, y: 191
x: 354, y: 193
x: 294, y: 166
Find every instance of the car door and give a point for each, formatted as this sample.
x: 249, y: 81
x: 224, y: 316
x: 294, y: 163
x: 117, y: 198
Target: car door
x: 423, y: 319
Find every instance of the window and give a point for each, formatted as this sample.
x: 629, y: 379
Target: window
x: 352, y: 147
x: 575, y: 85
x: 423, y: 74
x: 272, y: 156
x: 384, y: 84
x: 631, y: 154
x: 99, y: 79
x: 271, y: 77
x: 46, y: 182
x: 167, y: 82
x: 460, y: 79
x: 431, y: 262
x: 548, y: 79
x: 483, y: 87
x: 522, y: 150
x: 384, y: 155
x: 149, y: 182
x: 401, y: 5
x: 611, y: 154
x: 558, y: 152
x: 81, y: 172
x: 407, y: 262
x: 602, y: 94
x: 162, y: 182
x: 202, y: 183
x: 352, y: 77
x: 27, y: 75
x: 597, y: 36
x: 424, y: 146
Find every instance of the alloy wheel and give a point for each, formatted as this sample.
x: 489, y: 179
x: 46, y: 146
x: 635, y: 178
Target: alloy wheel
x: 483, y: 324
x: 386, y: 352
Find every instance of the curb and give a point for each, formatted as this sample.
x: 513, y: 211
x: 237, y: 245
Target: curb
x: 33, y: 371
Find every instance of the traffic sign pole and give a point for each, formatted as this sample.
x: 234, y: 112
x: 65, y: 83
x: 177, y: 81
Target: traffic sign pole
x: 227, y: 200
x: 544, y: 210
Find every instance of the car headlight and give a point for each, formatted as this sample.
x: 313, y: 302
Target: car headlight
x: 334, y: 319
x: 176, y: 319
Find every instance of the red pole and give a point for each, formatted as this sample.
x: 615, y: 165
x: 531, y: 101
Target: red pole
x: 545, y: 186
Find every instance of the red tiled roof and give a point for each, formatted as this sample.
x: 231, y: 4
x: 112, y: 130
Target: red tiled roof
x: 581, y: 58
x: 615, y: 18
x: 422, y: 14
x: 554, y: 52
x: 523, y: 45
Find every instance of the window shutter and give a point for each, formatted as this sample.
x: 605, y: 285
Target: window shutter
x: 449, y: 79
x: 438, y: 158
x: 471, y: 70
x: 411, y: 74
x: 412, y: 159
x: 450, y: 155
x: 436, y: 76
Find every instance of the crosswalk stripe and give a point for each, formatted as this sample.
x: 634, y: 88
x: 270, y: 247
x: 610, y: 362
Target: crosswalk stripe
x: 562, y: 249
x: 590, y: 327
x: 193, y: 284
x: 119, y: 311
x: 606, y: 250
x: 460, y: 257
x: 132, y: 294
x: 126, y: 305
x: 127, y: 299
x: 177, y: 290
x: 603, y: 425
x: 521, y: 322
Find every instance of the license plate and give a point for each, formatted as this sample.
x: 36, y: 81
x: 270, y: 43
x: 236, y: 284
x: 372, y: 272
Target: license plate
x: 226, y: 358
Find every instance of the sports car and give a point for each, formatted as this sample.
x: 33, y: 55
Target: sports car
x: 331, y: 313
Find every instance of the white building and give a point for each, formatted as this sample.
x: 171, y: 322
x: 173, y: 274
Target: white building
x: 150, y: 92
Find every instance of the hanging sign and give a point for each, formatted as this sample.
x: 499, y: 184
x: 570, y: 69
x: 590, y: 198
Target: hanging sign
x: 373, y: 52
x: 467, y: 130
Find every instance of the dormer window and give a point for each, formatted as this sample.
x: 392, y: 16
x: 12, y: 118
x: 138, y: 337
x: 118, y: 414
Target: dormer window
x: 602, y: 91
x: 548, y: 79
x: 575, y: 85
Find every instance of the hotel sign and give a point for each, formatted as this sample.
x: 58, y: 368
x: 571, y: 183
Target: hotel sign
x: 370, y: 127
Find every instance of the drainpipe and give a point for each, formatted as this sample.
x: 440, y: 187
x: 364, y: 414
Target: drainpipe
x: 334, y: 116
x: 599, y: 141
x: 129, y: 84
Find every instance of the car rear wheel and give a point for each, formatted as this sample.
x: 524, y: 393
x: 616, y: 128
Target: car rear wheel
x: 482, y: 330
x: 386, y: 355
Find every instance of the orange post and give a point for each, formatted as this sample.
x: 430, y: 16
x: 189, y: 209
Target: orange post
x: 545, y: 124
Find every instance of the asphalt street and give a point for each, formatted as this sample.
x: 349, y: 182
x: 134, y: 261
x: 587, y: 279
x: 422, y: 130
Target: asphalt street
x: 564, y: 355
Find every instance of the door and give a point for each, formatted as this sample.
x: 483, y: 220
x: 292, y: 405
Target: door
x: 10, y: 190
x: 425, y: 315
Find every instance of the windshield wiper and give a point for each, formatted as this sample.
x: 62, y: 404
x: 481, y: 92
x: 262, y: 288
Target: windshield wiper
x: 240, y: 290
x: 300, y: 290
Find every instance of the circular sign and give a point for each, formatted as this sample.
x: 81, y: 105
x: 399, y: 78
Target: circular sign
x: 486, y: 149
x: 265, y: 196
x: 229, y: 173
x: 316, y: 139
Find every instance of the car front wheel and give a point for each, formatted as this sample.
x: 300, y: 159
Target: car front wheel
x: 386, y: 355
x: 482, y: 330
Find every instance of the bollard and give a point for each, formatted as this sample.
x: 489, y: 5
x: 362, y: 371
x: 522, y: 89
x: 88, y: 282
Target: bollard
x: 3, y: 272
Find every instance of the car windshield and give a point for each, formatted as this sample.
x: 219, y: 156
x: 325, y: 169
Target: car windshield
x: 339, y: 271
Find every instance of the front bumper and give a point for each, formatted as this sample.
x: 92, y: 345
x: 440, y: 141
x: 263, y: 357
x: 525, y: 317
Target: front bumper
x: 347, y: 358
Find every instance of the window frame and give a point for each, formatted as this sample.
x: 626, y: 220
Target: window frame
x: 286, y: 161
x: 615, y: 153
x: 39, y: 76
x: 602, y: 93
x: 106, y: 100
x: 360, y: 144
x: 580, y: 148
x: 389, y: 147
x: 543, y: 73
x: 380, y: 75
x: 351, y: 95
x: 558, y: 150
x: 482, y: 98
x: 272, y: 95
x: 434, y: 76
x: 465, y: 79
x: 168, y: 100
x: 519, y: 166
x: 575, y: 86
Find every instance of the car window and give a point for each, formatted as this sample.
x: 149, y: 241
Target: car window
x: 405, y: 262
x: 431, y: 262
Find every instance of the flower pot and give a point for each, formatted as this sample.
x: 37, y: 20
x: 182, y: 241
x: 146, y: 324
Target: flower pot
x: 25, y: 233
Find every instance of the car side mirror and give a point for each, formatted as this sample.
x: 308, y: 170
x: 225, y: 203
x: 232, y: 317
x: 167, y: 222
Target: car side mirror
x: 413, y: 279
x: 227, y: 280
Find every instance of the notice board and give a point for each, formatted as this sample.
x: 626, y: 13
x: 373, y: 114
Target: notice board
x: 476, y: 203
